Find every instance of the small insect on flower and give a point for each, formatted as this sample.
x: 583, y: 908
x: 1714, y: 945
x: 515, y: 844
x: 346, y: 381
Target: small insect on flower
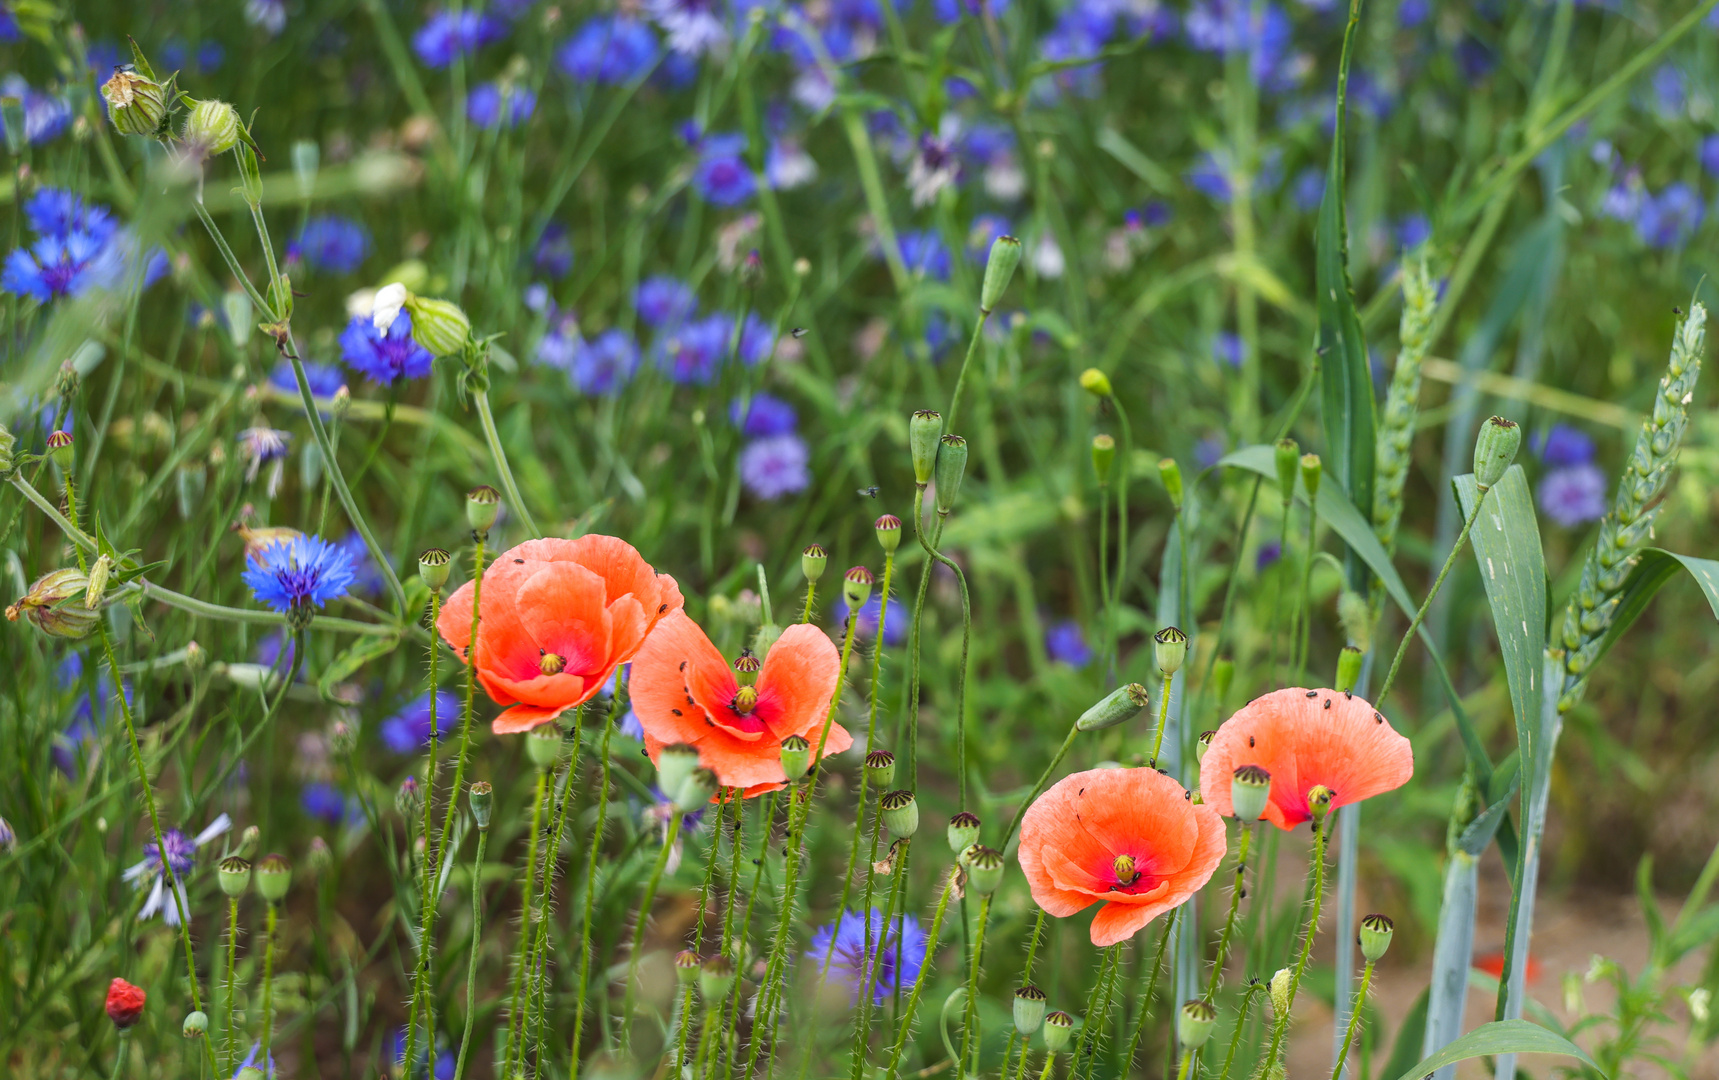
x: 298, y: 574
x: 176, y: 852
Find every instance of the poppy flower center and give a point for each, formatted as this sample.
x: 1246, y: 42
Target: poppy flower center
x: 745, y: 700
x: 552, y: 663
x: 1126, y: 874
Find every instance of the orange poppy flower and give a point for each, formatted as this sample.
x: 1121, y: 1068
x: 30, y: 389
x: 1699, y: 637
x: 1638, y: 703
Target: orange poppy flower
x: 1128, y: 838
x: 1305, y: 738
x: 558, y: 617
x: 685, y: 692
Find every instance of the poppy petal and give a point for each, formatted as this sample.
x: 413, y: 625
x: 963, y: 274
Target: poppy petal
x: 797, y: 682
x: 562, y: 608
x: 524, y: 718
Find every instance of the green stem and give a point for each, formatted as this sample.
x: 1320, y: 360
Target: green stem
x: 1120, y: 582
x: 905, y: 1027
x: 1182, y: 1069
x: 644, y: 916
x: 537, y: 986
x: 426, y: 867
x: 868, y: 992
x: 124, y: 1040
x: 591, y: 892
x: 472, y: 958
x: 1026, y: 980
x: 528, y: 926
x: 1277, y: 594
x: 930, y: 546
x: 1354, y: 1019
x: 1043, y: 780
x: 1301, y: 640
x: 1280, y: 1024
x: 1163, y: 715
x: 1432, y: 594
x: 1097, y: 1008
x: 966, y: 365
x: 1241, y: 1025
x: 269, y: 981
x: 470, y: 703
x: 232, y: 963
x: 507, y: 482
x: 1151, y: 991
x: 970, y: 1036
x: 1104, y: 583
x: 811, y: 590
x: 746, y: 917
x: 1236, y: 894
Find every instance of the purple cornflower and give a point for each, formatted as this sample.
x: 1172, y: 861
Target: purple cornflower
x: 1709, y: 154
x: 260, y: 446
x: 924, y: 254
x: 554, y: 254
x: 897, y: 952
x: 299, y: 574
x: 1412, y: 13
x: 1227, y: 349
x: 1210, y: 450
x: 325, y: 379
x: 692, y: 354
x: 1574, y: 495
x: 485, y: 105
x: 408, y: 731
x: 775, y: 466
x: 54, y: 212
x: 1474, y: 58
x: 1670, y: 218
x: 394, y: 1050
x: 894, y: 625
x: 1562, y: 445
x: 274, y: 651
x: 1261, y: 30
x: 1209, y: 177
x: 694, y: 27
x: 46, y: 115
x: 366, y: 576
x: 447, y: 35
x: 663, y: 301
x: 722, y: 176
x: 179, y: 852
x: 1066, y: 644
x: 560, y: 342
x: 605, y: 364
x: 68, y: 266
x: 1307, y: 189
x: 764, y: 415
x: 1669, y: 90
x: 324, y: 802
x: 609, y: 49
x: 384, y: 356
x: 757, y: 340
x: 986, y: 228
x: 251, y: 1062
x: 9, y: 31
x: 334, y: 243
x: 88, y: 714
x: 1413, y: 231
x: 1269, y: 553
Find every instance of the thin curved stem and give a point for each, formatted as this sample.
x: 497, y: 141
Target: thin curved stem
x: 591, y: 890
x: 1043, y: 780
x: 232, y: 963
x: 1236, y: 894
x: 1432, y: 594
x: 466, y: 711
x: 426, y: 867
x: 492, y: 437
x: 472, y: 958
x: 970, y: 1024
x: 1241, y: 1025
x: 1354, y: 1020
x: 269, y: 981
x: 1163, y: 721
x: 966, y: 365
x: 1280, y: 1024
x: 906, y: 1023
x: 930, y: 546
x: 1151, y: 991
x: 527, y: 930
x: 645, y: 902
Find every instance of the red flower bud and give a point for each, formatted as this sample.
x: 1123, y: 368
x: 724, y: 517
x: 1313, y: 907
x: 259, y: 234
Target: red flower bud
x: 124, y: 1003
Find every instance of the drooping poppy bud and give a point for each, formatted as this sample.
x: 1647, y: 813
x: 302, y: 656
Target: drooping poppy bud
x: 951, y: 468
x: 796, y: 757
x: 900, y: 814
x: 924, y: 428
x: 1194, y: 1023
x: 999, y: 268
x: 963, y: 831
x: 1494, y: 449
x: 1121, y: 704
x: 433, y: 567
x: 812, y: 562
x: 1250, y: 790
x: 1170, y: 648
x: 696, y: 790
x: 888, y: 533
x: 716, y: 977
x: 124, y: 1003
x: 1058, y: 1027
x: 1278, y: 989
x: 1095, y: 382
x: 483, y: 503
x: 543, y: 746
x: 1376, y: 931
x: 1029, y: 1009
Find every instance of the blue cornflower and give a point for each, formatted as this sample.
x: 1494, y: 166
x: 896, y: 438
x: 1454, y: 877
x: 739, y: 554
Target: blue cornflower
x: 554, y: 254
x: 61, y: 266
x: 1412, y: 13
x: 924, y: 254
x: 261, y: 446
x: 1670, y: 218
x: 1413, y: 231
x: 334, y: 243
x: 606, y: 364
x: 1474, y: 58
x: 764, y: 415
x: 1210, y: 450
x: 722, y: 176
x: 394, y: 1051
x: 384, y: 356
x: 948, y: 11
x: 1262, y: 31
x: 788, y: 166
x: 1709, y: 154
x: 53, y: 212
x: 325, y: 379
x: 447, y: 35
x: 894, y: 625
x: 757, y: 340
x: 694, y: 27
x: 366, y: 575
x: 609, y: 49
x: 179, y: 852
x: 1066, y: 644
x: 274, y: 651
x: 897, y: 952
x: 408, y: 730
x: 1562, y: 445
x: 692, y: 354
x: 89, y: 713
x: 1227, y: 349
x: 1307, y: 189
x: 298, y: 574
x: 326, y: 803
x: 484, y: 105
x: 1268, y: 554
x: 1669, y: 91
x: 1574, y: 495
x: 775, y: 466
x: 9, y: 31
x: 46, y: 115
x: 663, y: 301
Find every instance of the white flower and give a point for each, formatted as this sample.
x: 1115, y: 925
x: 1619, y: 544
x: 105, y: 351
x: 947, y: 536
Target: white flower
x: 180, y: 851
x: 390, y: 299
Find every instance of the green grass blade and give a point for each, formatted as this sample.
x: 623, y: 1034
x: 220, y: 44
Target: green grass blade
x: 1656, y: 568
x: 1498, y: 1037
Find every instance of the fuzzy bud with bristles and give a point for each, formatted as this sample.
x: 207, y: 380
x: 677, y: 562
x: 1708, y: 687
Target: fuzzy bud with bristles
x: 1348, y: 669
x: 951, y: 468
x: 212, y: 126
x: 1250, y: 792
x: 686, y: 966
x: 812, y: 562
x: 1278, y: 989
x: 1000, y: 266
x: 888, y: 533
x: 1494, y: 449
x: 1095, y: 382
x: 234, y: 875
x: 1194, y: 1023
x: 54, y: 605
x: 880, y: 768
x: 1059, y: 1026
x: 1376, y: 931
x: 482, y: 799
x: 1170, y: 648
x: 1103, y: 456
x: 1029, y: 1009
x: 900, y: 813
x: 318, y: 859
x: 715, y: 978
x: 963, y: 831
x: 856, y: 588
x: 796, y: 757
x: 483, y: 503
x: 274, y: 877
x: 924, y: 428
x: 409, y: 798
x: 440, y: 326
x: 433, y: 567
x: 1121, y: 704
x: 984, y: 868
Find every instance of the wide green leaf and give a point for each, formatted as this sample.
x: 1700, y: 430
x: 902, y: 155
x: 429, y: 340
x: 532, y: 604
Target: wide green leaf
x: 1652, y: 571
x: 1498, y: 1037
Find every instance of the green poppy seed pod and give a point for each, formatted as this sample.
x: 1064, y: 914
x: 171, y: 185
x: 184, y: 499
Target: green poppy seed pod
x: 1311, y: 470
x: 1494, y: 449
x: 1194, y: 1023
x: 1095, y: 382
x: 483, y: 503
x: 951, y: 468
x: 963, y: 831
x: 1171, y: 474
x: 60, y: 448
x: 674, y: 765
x: 543, y: 746
x: 234, y: 876
x: 715, y: 978
x: 1029, y: 1009
x: 1250, y: 791
x: 999, y: 268
x: 812, y: 562
x: 135, y: 103
x: 99, y: 571
x: 482, y: 799
x: 1319, y: 802
x: 796, y: 757
x: 409, y: 798
x: 1059, y: 1026
x: 984, y: 868
x: 856, y: 588
x: 888, y: 533
x: 1115, y: 707
x: 924, y: 428
x: 433, y: 567
x: 900, y: 813
x: 212, y: 126
x: 746, y: 668
x: 1348, y: 669
x: 1202, y: 744
x: 274, y: 877
x: 1103, y: 456
x: 50, y: 608
x: 695, y: 791
x: 195, y: 1025
x: 880, y: 768
x: 439, y: 325
x: 1288, y: 458
x: 686, y: 966
x: 1223, y: 675
x: 1278, y: 988
x: 1170, y: 648
x: 1375, y: 936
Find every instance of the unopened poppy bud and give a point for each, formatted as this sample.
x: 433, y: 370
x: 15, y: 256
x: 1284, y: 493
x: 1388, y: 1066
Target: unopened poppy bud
x: 984, y: 868
x: 1311, y: 470
x: 1202, y: 744
x: 1029, y: 1009
x: 483, y: 503
x: 482, y: 799
x: 715, y: 978
x: 963, y: 831
x: 999, y: 268
x: 1250, y: 791
x: 1495, y: 449
x: 880, y: 768
x: 196, y: 1024
x: 1376, y: 931
x: 318, y: 859
x: 695, y: 791
x: 796, y: 757
x: 1278, y: 988
x: 674, y: 765
x: 1348, y: 669
x: 1121, y: 704
x: 1170, y: 648
x: 1194, y: 1023
x: 900, y: 813
x: 1288, y: 457
x: 135, y: 103
x: 124, y: 1003
x: 1319, y: 802
x: 99, y: 571
x: 1171, y: 474
x: 50, y: 606
x: 1103, y: 456
x: 812, y: 562
x: 1095, y: 382
x: 856, y: 588
x: 543, y: 746
x: 1058, y: 1027
x: 274, y: 876
x: 924, y: 428
x: 60, y: 448
x: 686, y: 965
x: 439, y: 325
x: 409, y: 798
x: 888, y: 533
x: 951, y: 468
x: 433, y: 567
x: 212, y: 126
x: 234, y: 876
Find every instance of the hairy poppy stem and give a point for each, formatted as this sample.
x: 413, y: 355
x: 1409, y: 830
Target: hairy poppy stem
x: 1303, y: 629
x: 515, y: 1021
x: 1432, y: 594
x: 905, y: 1027
x: 1026, y: 980
x: 645, y: 902
x: 232, y: 963
x: 472, y: 958
x: 1354, y: 1020
x: 427, y: 866
x: 1277, y: 594
x: 1182, y: 1069
x: 1280, y: 1024
x: 1097, y: 1010
x: 596, y: 845
x: 1230, y: 921
x: 269, y: 982
x: 1236, y: 1035
x: 466, y: 711
x: 765, y: 827
x: 912, y: 768
x: 537, y: 980
x: 811, y: 591
x: 1147, y: 997
x: 970, y: 1024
